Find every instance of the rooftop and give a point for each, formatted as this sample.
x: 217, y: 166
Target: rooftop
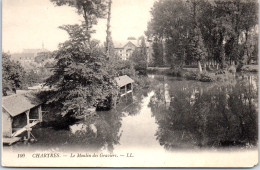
x: 122, y: 44
x: 123, y: 80
x: 19, y: 103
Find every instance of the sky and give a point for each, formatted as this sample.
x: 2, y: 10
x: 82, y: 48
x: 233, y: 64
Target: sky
x: 30, y: 24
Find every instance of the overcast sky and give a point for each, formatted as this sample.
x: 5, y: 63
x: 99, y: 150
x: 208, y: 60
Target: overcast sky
x: 29, y: 23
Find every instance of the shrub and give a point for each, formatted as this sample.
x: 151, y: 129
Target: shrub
x: 250, y: 68
x: 204, y: 77
x: 207, y: 77
x: 180, y: 73
x: 232, y: 69
x: 221, y: 72
x: 192, y: 76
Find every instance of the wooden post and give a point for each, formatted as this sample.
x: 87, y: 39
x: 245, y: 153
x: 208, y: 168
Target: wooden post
x: 28, y: 122
x: 125, y: 94
x: 40, y: 113
x: 132, y: 90
x: 28, y: 117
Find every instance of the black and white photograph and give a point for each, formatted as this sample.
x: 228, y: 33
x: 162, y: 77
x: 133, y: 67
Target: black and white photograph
x: 130, y: 83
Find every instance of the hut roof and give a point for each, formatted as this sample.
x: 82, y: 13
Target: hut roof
x: 123, y: 80
x: 19, y: 103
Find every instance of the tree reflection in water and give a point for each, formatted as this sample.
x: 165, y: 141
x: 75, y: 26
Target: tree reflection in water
x: 206, y: 114
x: 99, y: 133
x: 104, y: 135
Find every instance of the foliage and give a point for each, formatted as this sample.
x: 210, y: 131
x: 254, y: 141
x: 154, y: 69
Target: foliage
x: 91, y: 10
x: 32, y: 78
x: 206, y: 115
x: 157, y: 53
x: 42, y: 57
x: 12, y: 74
x: 45, y: 62
x: 80, y: 76
x: 139, y: 57
x: 190, y: 75
x: 250, y: 68
x: 200, y: 31
x: 207, y: 77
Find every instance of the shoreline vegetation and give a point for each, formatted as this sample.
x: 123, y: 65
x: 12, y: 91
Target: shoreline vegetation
x: 195, y: 40
x: 208, y: 75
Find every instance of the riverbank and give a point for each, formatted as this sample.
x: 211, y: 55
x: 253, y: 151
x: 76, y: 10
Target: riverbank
x: 220, y: 118
x: 192, y: 73
x: 250, y: 68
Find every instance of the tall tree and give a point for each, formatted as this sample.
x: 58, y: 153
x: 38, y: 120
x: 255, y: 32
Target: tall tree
x: 169, y: 25
x: 139, y: 56
x: 80, y: 76
x: 196, y: 41
x: 199, y: 30
x: 90, y: 9
x: 109, y: 43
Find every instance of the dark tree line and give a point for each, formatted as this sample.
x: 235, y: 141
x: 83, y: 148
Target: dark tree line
x: 199, y: 31
x: 15, y: 77
x: 12, y: 74
x: 200, y: 115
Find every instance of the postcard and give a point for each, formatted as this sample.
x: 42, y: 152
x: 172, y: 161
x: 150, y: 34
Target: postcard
x: 119, y: 83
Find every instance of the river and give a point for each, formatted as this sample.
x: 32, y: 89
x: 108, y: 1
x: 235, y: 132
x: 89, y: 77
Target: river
x: 172, y: 115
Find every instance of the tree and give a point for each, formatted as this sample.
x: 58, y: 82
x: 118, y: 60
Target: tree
x: 224, y: 24
x: 12, y: 74
x: 43, y: 56
x: 109, y: 44
x: 80, y: 76
x: 169, y: 29
x: 197, y: 48
x: 32, y: 78
x: 157, y: 53
x: 139, y: 57
x: 90, y: 9
x: 200, y: 30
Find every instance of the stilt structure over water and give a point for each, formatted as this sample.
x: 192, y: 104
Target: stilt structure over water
x: 20, y: 113
x: 125, y: 84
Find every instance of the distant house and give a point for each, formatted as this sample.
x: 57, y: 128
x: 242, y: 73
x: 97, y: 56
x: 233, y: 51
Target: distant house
x: 20, y: 113
x: 27, y: 57
x: 124, y: 49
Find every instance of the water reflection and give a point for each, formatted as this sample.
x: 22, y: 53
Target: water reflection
x: 100, y: 133
x: 205, y: 114
x: 172, y: 114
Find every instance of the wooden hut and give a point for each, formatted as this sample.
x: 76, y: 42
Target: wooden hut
x: 20, y: 113
x: 125, y: 85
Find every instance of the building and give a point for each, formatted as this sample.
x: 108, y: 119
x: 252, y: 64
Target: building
x: 124, y: 49
x: 125, y: 84
x: 125, y: 88
x: 27, y: 57
x: 20, y: 112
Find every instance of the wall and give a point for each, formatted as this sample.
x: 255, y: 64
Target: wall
x: 6, y: 124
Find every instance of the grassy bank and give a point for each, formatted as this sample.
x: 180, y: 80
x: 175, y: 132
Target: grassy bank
x: 193, y: 74
x: 250, y: 68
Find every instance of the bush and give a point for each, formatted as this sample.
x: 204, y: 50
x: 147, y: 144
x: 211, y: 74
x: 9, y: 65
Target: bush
x: 192, y: 76
x: 250, y: 68
x: 221, y: 72
x: 204, y: 77
x: 207, y: 77
x: 177, y: 71
x: 232, y: 69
